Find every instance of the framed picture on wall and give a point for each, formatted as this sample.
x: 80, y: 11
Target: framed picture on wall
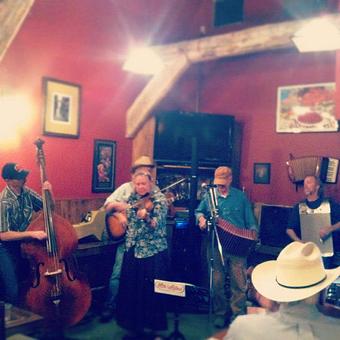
x: 261, y: 173
x: 104, y: 162
x: 306, y: 108
x: 61, y: 108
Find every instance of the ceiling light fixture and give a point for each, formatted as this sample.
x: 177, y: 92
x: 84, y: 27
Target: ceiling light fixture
x: 143, y: 61
x: 317, y: 35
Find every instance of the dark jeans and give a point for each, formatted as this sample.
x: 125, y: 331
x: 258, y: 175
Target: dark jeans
x: 9, y: 290
x: 331, y: 262
x: 115, y: 277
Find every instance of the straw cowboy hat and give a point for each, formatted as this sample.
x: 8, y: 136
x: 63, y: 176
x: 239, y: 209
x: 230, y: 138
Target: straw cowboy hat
x: 297, y: 274
x: 142, y: 161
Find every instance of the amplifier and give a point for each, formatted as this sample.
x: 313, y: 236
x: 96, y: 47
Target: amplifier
x: 182, y: 219
x: 273, y: 223
x: 330, y: 300
x: 333, y: 294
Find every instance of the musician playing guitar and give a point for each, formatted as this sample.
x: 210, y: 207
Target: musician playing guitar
x: 116, y: 204
x: 234, y: 208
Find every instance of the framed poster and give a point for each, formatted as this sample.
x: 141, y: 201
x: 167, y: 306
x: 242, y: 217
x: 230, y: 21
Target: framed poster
x: 61, y: 108
x: 261, y: 173
x: 306, y: 108
x: 104, y: 159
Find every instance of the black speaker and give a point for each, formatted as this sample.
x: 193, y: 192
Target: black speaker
x: 273, y: 224
x: 228, y: 12
x: 176, y: 130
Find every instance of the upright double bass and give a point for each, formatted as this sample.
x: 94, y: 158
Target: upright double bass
x: 57, y: 293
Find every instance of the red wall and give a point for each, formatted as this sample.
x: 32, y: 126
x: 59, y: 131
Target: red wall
x: 248, y: 88
x: 84, y: 41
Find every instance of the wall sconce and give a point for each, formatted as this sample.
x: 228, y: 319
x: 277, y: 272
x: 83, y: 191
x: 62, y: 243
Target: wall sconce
x: 317, y: 35
x: 143, y: 61
x: 16, y: 116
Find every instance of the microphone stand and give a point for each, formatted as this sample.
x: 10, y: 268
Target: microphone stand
x: 212, y: 232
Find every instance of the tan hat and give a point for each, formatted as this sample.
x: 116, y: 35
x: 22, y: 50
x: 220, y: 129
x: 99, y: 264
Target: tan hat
x: 222, y: 175
x: 297, y: 274
x: 142, y: 161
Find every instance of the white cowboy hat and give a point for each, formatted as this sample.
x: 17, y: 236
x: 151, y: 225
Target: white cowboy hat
x: 297, y: 274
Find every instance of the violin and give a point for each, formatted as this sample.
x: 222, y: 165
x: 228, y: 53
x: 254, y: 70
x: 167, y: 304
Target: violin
x: 144, y: 202
x: 114, y: 223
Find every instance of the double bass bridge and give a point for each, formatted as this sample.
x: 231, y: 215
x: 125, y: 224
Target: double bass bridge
x: 56, y: 272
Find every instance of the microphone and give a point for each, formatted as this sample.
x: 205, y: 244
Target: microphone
x: 207, y: 186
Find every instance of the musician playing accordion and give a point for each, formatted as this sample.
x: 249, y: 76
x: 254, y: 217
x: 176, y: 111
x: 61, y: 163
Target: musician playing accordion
x: 234, y: 209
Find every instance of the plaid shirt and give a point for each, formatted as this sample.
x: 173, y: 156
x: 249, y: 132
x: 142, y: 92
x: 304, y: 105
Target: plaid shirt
x: 16, y: 210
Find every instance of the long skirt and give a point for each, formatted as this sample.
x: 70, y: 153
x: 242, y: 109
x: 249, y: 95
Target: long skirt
x: 138, y: 306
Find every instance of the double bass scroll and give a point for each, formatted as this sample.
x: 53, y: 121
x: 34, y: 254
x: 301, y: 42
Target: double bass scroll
x: 59, y: 294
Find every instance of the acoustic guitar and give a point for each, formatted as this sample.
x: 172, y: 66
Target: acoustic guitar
x: 114, y: 225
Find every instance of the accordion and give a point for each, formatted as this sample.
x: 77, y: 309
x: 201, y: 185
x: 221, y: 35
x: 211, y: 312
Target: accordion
x: 235, y: 241
x: 323, y: 167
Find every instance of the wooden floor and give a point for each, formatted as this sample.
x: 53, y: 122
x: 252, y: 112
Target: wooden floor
x: 192, y: 326
x: 185, y: 326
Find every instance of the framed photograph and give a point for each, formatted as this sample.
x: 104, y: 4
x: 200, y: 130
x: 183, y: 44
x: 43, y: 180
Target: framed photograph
x: 306, y: 108
x: 261, y: 173
x: 104, y: 162
x: 61, y: 108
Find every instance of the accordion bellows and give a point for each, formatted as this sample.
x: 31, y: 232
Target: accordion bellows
x: 299, y: 168
x: 235, y: 241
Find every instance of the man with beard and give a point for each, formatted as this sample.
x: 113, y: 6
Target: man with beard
x: 314, y: 204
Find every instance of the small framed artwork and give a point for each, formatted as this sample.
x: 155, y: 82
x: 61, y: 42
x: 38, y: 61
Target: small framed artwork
x: 306, y: 108
x: 104, y: 159
x: 261, y: 173
x: 61, y: 108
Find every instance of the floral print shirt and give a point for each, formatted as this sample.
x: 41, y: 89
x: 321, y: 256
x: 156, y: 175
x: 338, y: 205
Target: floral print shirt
x: 147, y: 240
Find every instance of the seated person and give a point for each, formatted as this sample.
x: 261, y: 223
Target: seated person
x: 256, y: 298
x: 295, y: 280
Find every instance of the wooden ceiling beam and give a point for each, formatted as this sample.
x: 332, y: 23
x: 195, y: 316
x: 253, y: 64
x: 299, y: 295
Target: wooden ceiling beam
x: 179, y: 56
x: 12, y: 15
x: 153, y: 93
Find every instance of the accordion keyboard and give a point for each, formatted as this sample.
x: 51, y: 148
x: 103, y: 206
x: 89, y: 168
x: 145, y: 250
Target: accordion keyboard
x: 332, y: 170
